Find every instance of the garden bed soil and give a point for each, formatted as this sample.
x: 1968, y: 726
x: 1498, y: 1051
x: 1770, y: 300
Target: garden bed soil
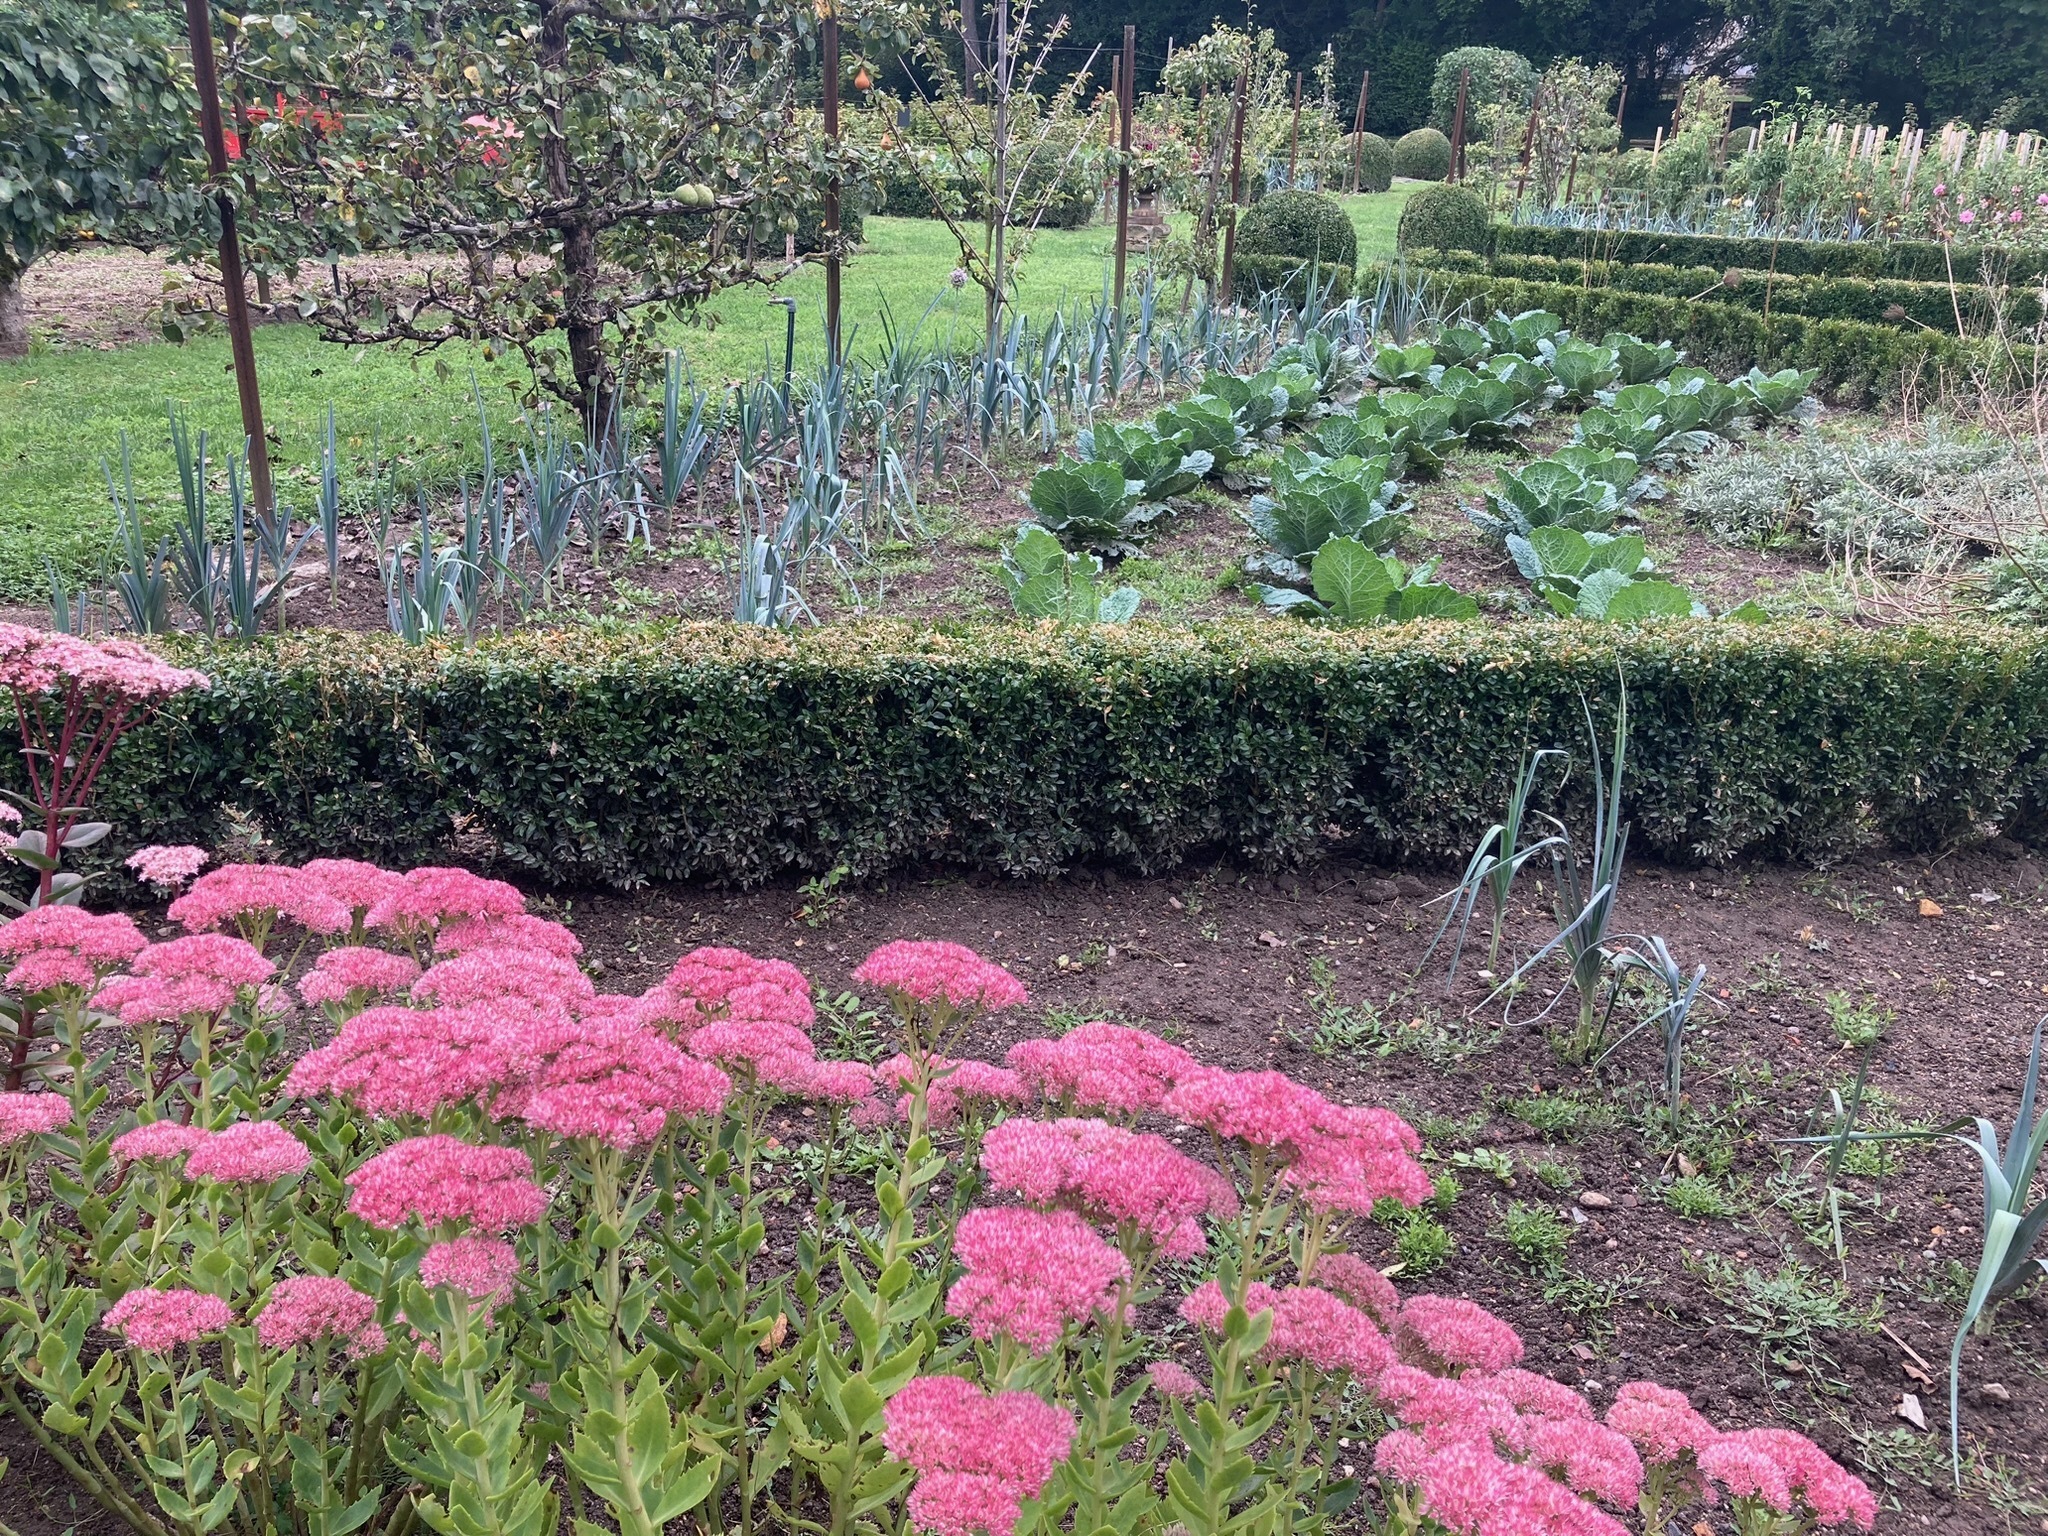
x: 1752, y: 1312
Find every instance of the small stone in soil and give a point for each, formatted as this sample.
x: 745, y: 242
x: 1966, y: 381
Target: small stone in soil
x: 1593, y: 1200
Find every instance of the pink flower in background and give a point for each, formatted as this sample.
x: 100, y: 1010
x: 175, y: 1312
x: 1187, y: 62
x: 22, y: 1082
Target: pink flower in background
x: 771, y: 1002
x: 159, y: 1321
x: 1443, y: 1411
x: 443, y: 1179
x: 158, y: 1141
x: 1778, y: 1467
x: 778, y: 1054
x: 235, y: 892
x: 1329, y: 1333
x: 1468, y: 1488
x: 482, y: 1268
x: 1142, y: 1186
x: 1967, y: 216
x: 199, y: 974
x: 978, y: 1457
x: 1361, y: 1285
x: 2017, y: 216
x: 167, y: 866
x: 617, y: 1082
x: 308, y: 1308
x: 356, y: 973
x: 958, y: 1085
x: 517, y: 931
x: 2042, y: 200
x: 1590, y: 1459
x: 1030, y: 1274
x: 114, y: 671
x: 838, y: 1082
x: 393, y: 1062
x: 356, y: 885
x: 1107, y: 1067
x: 935, y: 972
x: 65, y: 946
x: 249, y: 1152
x: 1447, y: 1334
x: 1207, y: 1307
x: 1537, y: 1396
x: 1171, y: 1379
x: 1661, y: 1423
x: 527, y: 975
x: 1941, y: 189
x: 23, y: 1115
x: 432, y: 897
x: 704, y: 980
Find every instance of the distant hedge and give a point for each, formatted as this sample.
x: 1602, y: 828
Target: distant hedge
x: 1256, y: 272
x: 1922, y: 261
x: 1819, y: 298
x: 714, y: 751
x: 1856, y: 361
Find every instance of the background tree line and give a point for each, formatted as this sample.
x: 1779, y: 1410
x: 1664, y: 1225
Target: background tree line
x: 1973, y: 59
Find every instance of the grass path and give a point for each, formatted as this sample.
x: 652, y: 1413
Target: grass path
x: 61, y: 411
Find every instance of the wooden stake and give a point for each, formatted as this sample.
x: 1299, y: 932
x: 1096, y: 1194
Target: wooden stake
x: 970, y: 51
x: 1528, y: 145
x: 832, y: 188
x: 1236, y: 186
x: 1294, y: 144
x: 1458, y: 127
x: 241, y: 341
x: 1621, y: 116
x: 1358, y: 132
x: 1124, y: 103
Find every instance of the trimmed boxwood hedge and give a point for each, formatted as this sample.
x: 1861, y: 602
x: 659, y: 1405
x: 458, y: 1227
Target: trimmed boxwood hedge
x: 1856, y: 361
x: 1924, y: 261
x: 1819, y: 298
x: 717, y: 751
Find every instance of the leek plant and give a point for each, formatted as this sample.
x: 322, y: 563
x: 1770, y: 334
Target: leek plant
x: 1491, y: 870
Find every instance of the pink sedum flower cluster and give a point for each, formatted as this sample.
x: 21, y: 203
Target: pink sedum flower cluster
x: 311, y: 1309
x: 482, y: 1268
x: 64, y: 946
x: 199, y: 975
x: 1447, y: 1335
x: 1142, y: 1187
x: 355, y: 975
x: 958, y: 1087
x: 24, y: 1116
x: 159, y: 1321
x: 978, y: 1455
x: 250, y: 1152
x: 1309, y: 1324
x: 1788, y: 1473
x: 167, y: 866
x: 236, y: 893
x: 937, y: 974
x: 1032, y: 1273
x: 160, y: 1141
x: 443, y: 1180
x: 1109, y: 1068
x: 425, y: 900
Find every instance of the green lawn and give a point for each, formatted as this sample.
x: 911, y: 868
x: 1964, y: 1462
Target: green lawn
x: 61, y: 411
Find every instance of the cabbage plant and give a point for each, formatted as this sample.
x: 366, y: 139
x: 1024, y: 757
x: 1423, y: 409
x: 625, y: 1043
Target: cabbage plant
x: 1209, y: 426
x: 1165, y: 466
x: 1352, y: 585
x: 1314, y: 500
x: 1091, y: 504
x: 1643, y: 361
x: 1581, y: 369
x: 1775, y: 395
x: 1412, y: 367
x: 1595, y: 576
x: 1546, y: 494
x: 1045, y: 581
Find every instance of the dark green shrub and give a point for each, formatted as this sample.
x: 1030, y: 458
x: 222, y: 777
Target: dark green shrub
x: 1445, y: 218
x: 1301, y: 225
x: 1856, y: 361
x: 1920, y: 261
x: 1424, y: 155
x: 1375, y: 162
x: 1499, y: 78
x: 1256, y: 273
x: 716, y: 751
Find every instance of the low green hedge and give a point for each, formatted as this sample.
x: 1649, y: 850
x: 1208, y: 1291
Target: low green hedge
x: 721, y: 752
x: 1818, y: 298
x: 1857, y: 362
x: 1256, y: 272
x: 1924, y: 261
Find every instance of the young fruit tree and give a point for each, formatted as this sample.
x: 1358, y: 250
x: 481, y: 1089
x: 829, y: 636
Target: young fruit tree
x: 573, y: 170
x: 97, y: 136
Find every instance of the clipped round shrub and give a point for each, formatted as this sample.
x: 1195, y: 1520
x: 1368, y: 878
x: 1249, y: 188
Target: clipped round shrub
x: 1375, y: 162
x: 1500, y: 79
x: 1424, y: 155
x: 1445, y: 219
x: 1301, y: 224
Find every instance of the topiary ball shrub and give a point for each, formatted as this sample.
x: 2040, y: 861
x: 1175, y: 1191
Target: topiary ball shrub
x: 1424, y: 155
x: 1375, y: 163
x: 1307, y: 225
x: 1445, y: 219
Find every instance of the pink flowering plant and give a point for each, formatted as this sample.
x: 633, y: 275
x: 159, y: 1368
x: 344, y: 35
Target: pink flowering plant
x: 489, y: 1256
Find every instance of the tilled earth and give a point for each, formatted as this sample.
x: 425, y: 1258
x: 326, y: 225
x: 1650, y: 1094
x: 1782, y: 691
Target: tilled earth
x: 1746, y: 1302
